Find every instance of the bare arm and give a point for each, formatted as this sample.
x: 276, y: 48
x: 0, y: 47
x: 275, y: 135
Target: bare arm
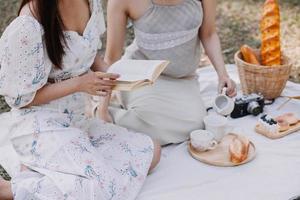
x: 54, y: 91
x: 91, y: 83
x: 212, y: 46
x: 116, y: 30
x: 99, y: 64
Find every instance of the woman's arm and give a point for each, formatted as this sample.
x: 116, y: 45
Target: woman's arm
x: 116, y: 29
x: 99, y: 64
x: 91, y: 83
x: 212, y: 46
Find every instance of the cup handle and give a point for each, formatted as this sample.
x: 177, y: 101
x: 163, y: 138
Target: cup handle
x: 223, y: 92
x: 213, y: 145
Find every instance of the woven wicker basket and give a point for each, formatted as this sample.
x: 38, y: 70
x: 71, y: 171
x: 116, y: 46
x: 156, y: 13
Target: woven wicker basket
x: 269, y: 81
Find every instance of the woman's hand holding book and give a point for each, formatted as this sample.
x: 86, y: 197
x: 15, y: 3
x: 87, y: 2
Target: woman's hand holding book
x: 98, y: 84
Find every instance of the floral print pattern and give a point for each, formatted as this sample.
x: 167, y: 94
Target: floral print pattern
x: 70, y: 156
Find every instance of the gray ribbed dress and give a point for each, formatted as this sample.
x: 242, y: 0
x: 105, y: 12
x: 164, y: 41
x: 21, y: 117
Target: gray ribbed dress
x: 171, y: 108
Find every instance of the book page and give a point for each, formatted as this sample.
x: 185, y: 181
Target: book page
x: 135, y: 70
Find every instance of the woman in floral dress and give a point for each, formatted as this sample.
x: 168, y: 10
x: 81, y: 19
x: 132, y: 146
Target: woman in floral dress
x: 46, y: 59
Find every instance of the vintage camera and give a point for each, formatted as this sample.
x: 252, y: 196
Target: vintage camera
x: 252, y: 104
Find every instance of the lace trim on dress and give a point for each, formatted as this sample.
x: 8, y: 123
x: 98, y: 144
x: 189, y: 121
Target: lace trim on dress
x: 162, y: 41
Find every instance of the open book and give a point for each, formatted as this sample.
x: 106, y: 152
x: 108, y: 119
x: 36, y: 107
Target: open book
x: 137, y: 73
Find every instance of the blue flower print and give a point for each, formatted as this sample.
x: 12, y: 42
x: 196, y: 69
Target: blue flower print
x: 70, y: 114
x: 36, y: 49
x: 33, y: 146
x: 112, y: 190
x: 90, y: 172
x: 40, y: 73
x: 126, y: 148
x: 59, y: 123
x: 147, y: 150
x: 97, y: 142
x: 129, y: 171
x: 18, y: 100
x: 80, y: 147
x: 26, y: 111
x: 33, y: 151
x: 89, y: 36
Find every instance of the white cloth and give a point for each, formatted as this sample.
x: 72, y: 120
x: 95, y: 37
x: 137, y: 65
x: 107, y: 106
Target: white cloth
x: 69, y: 156
x: 274, y: 174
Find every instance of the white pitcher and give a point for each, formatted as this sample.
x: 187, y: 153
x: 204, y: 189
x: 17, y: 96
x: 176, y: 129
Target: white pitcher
x: 223, y: 104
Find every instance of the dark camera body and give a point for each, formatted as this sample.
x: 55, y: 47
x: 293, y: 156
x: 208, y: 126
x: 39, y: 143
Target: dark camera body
x: 252, y: 104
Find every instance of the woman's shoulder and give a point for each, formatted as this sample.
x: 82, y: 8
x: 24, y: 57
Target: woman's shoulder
x: 122, y: 4
x: 24, y: 24
x: 132, y: 8
x: 23, y: 33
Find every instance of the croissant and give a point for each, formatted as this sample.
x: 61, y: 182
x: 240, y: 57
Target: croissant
x: 270, y: 33
x: 249, y: 55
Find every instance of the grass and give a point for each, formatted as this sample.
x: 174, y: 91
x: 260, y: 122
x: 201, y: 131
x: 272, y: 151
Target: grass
x: 238, y: 24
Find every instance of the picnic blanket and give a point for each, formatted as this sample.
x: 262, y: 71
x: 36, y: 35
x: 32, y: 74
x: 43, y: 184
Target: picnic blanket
x: 273, y: 175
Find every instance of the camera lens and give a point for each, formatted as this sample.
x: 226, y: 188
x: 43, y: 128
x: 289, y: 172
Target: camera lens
x: 254, y: 108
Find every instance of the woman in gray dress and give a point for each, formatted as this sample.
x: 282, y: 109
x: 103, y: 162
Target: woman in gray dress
x: 165, y: 30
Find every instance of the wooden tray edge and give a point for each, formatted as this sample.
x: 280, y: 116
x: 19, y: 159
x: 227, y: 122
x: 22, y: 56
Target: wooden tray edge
x: 249, y: 159
x: 282, y: 134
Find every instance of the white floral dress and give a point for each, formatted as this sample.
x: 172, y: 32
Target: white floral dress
x: 69, y: 155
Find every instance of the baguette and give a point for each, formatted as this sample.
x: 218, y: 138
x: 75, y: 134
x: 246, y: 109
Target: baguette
x: 270, y: 34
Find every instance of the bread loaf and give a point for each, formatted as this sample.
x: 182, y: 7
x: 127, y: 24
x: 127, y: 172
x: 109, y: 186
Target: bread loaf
x: 290, y: 118
x: 239, y: 149
x: 270, y: 34
x: 249, y: 55
x: 283, y: 124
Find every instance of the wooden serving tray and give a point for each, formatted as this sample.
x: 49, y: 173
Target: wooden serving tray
x: 220, y: 156
x: 259, y: 129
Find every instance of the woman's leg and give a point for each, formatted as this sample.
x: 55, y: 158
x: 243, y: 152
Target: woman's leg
x: 156, y: 155
x: 5, y: 190
x: 123, y: 142
x: 103, y: 109
x: 167, y: 111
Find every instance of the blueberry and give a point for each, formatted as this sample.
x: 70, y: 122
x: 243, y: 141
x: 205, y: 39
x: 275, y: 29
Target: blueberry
x: 263, y: 117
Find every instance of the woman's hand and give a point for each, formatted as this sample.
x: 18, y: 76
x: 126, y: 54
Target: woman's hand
x: 225, y: 81
x: 99, y: 64
x: 97, y: 84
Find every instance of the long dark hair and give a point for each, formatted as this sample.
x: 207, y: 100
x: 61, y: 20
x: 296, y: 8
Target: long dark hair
x: 47, y: 13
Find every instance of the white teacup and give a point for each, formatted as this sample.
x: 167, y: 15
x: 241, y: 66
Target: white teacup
x: 203, y: 140
x: 223, y: 104
x: 218, y: 125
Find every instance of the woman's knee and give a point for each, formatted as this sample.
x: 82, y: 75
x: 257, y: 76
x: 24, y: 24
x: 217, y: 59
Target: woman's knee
x: 156, y: 155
